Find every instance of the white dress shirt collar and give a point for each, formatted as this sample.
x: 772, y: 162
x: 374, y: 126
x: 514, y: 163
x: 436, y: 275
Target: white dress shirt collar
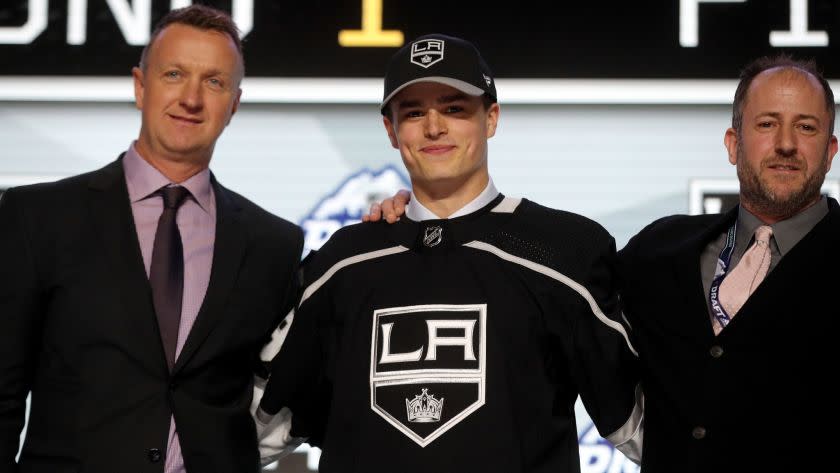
x: 418, y: 212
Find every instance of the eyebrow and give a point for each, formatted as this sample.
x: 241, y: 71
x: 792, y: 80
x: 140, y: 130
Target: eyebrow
x: 452, y: 98
x: 443, y: 99
x: 208, y: 73
x: 801, y: 116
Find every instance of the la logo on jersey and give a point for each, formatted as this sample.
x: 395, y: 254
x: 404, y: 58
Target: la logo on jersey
x: 427, y: 367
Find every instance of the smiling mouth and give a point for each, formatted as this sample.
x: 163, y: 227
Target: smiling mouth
x: 187, y: 120
x: 783, y: 167
x: 437, y: 149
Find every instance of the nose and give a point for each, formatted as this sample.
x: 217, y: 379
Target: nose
x: 192, y: 97
x: 435, y: 124
x: 786, y: 142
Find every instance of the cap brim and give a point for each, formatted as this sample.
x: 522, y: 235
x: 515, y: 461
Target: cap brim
x: 464, y: 87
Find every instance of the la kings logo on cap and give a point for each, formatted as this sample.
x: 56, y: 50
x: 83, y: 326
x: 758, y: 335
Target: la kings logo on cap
x: 427, y: 367
x: 427, y: 52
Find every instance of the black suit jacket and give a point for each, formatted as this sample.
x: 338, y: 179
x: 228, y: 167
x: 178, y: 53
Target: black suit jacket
x: 78, y: 329
x: 752, y: 398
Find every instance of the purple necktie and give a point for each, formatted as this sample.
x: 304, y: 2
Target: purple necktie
x: 166, y: 275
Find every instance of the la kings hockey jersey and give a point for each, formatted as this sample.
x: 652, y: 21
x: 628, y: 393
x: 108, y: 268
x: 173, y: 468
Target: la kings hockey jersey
x: 458, y: 345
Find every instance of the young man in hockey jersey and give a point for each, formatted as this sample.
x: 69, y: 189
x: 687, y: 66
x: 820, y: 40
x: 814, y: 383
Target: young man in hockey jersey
x: 477, y: 320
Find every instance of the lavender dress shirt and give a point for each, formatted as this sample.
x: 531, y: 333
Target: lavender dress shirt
x: 197, y: 223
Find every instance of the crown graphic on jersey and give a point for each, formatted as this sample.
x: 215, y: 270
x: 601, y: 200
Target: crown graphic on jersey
x: 424, y: 408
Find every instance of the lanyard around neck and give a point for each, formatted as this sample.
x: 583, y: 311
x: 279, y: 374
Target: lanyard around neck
x: 724, y: 259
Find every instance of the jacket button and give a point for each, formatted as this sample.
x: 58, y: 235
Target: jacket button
x: 716, y: 351
x: 698, y: 433
x: 154, y: 455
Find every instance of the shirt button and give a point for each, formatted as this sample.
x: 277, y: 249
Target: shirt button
x: 716, y: 351
x: 154, y: 455
x: 698, y: 433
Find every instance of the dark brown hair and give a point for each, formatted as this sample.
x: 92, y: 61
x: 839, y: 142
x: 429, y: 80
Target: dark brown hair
x: 197, y: 16
x: 782, y: 61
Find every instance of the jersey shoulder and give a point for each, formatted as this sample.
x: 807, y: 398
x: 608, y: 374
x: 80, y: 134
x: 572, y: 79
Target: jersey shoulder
x: 347, y: 245
x: 558, y: 239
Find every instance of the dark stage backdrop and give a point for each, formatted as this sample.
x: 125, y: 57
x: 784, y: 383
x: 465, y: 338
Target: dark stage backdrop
x: 698, y: 39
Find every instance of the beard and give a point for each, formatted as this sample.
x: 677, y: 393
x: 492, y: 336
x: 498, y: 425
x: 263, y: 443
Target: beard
x: 760, y: 196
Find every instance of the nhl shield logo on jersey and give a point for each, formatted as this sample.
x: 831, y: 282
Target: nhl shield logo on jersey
x: 432, y: 236
x: 428, y: 367
x: 427, y: 52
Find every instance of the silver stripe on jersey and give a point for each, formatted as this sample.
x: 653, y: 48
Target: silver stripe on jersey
x: 347, y: 262
x: 628, y: 439
x: 480, y: 245
x: 507, y: 205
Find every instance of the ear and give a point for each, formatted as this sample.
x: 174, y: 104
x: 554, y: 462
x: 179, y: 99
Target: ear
x: 492, y: 119
x: 392, y: 134
x: 730, y: 140
x: 137, y: 75
x: 235, y: 105
x: 832, y: 150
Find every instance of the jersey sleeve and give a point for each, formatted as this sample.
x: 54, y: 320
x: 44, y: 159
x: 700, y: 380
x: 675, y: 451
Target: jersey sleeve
x: 297, y: 380
x: 602, y: 359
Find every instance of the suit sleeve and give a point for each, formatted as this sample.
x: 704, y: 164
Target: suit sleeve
x: 604, y: 362
x: 20, y: 320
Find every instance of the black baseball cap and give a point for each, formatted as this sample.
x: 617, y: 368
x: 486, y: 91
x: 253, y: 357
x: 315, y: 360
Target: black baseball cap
x: 438, y: 58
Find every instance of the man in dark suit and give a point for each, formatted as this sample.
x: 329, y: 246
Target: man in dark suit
x: 134, y: 300
x: 734, y: 376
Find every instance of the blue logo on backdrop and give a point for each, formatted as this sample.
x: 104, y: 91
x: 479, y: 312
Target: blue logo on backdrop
x: 347, y: 204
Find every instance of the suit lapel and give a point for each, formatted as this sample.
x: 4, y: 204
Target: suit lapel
x: 686, y: 267
x: 808, y: 258
x: 110, y: 211
x: 228, y: 251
